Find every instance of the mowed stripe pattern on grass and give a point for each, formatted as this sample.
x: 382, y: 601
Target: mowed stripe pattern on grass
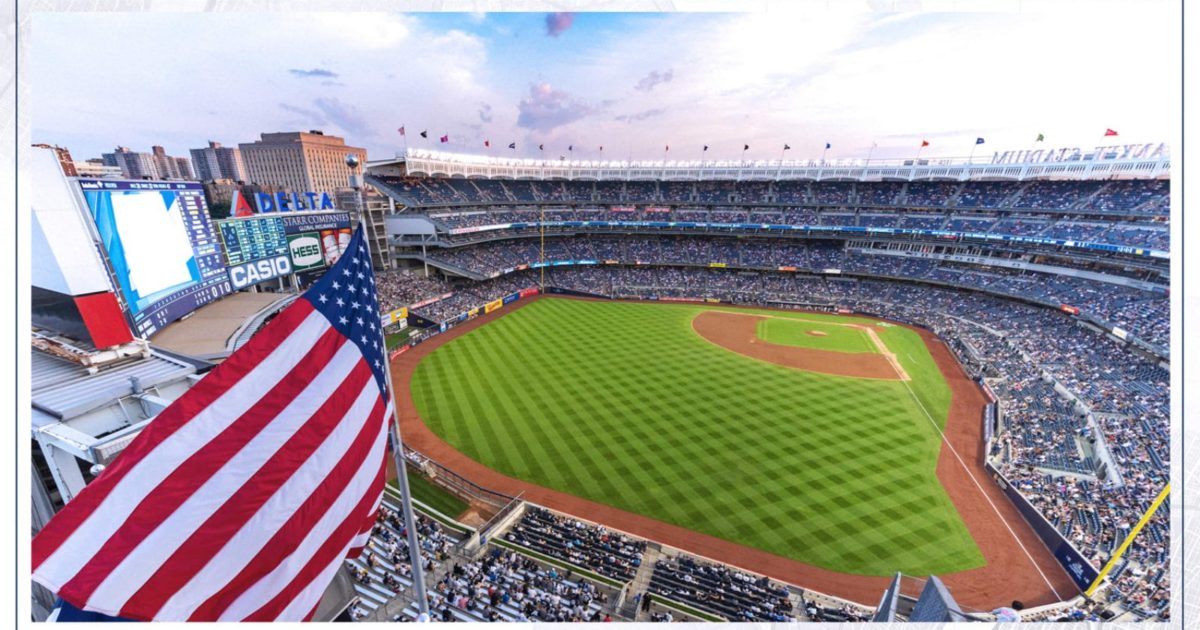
x: 624, y: 404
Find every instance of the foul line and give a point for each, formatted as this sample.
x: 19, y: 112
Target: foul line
x: 982, y: 491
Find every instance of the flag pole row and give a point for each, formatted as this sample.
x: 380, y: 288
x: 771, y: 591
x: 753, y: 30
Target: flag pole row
x: 487, y: 144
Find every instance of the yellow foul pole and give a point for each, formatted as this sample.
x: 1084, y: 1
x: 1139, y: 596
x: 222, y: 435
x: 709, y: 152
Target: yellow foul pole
x: 1129, y: 539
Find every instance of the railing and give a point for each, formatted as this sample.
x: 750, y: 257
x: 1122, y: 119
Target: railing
x: 454, y: 482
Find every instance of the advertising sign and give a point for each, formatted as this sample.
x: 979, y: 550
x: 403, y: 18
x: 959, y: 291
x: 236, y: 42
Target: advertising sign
x: 298, y: 222
x: 493, y: 305
x: 305, y: 250
x: 250, y: 273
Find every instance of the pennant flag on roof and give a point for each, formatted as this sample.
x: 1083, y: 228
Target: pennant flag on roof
x: 1109, y: 132
x: 924, y: 143
x: 1040, y: 138
x: 487, y: 143
x: 787, y: 147
x: 828, y: 146
x: 401, y: 130
x: 512, y: 145
x: 425, y: 134
x: 570, y: 147
x: 746, y: 147
x: 705, y: 148
x: 541, y: 147
x: 244, y: 497
x: 444, y: 139
x: 978, y: 140
x: 667, y: 148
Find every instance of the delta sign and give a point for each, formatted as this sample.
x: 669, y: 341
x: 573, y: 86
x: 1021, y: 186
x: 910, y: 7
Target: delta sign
x: 279, y: 202
x: 293, y: 202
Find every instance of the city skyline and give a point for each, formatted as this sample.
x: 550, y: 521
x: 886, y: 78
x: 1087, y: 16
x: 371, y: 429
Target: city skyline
x: 634, y: 83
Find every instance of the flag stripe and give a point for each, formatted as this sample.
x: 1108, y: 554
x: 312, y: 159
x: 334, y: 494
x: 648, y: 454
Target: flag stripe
x: 335, y: 502
x: 330, y: 551
x: 282, y: 522
x: 166, y: 424
x: 103, y: 519
x: 315, y: 589
x: 246, y: 493
x: 309, y: 414
x: 139, y: 543
x: 206, y: 542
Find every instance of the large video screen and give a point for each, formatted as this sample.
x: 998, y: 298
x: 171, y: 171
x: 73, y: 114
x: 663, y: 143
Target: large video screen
x: 161, y: 245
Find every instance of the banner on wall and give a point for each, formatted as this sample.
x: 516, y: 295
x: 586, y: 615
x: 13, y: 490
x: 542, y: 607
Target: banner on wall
x: 528, y: 292
x: 493, y: 305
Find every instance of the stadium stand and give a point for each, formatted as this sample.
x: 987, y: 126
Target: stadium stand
x: 1084, y: 415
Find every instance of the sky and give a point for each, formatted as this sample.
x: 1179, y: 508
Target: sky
x: 867, y: 83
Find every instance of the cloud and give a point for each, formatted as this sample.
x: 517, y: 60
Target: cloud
x: 648, y: 82
x: 308, y: 116
x: 345, y: 116
x: 315, y: 72
x: 649, y: 113
x: 547, y: 108
x: 557, y: 23
x: 485, y: 112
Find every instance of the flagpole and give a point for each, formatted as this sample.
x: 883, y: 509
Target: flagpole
x: 871, y: 152
x: 410, y: 521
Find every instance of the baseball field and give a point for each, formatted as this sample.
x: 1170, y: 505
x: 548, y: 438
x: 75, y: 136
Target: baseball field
x: 805, y: 435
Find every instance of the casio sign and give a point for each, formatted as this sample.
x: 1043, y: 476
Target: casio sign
x: 250, y: 273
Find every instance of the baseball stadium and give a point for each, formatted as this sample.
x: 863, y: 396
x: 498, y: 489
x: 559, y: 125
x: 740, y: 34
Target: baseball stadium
x: 848, y: 390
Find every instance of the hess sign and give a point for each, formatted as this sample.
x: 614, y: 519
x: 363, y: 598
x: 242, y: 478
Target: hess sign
x: 244, y: 275
x: 293, y: 202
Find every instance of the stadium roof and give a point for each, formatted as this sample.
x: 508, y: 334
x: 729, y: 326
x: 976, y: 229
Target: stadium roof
x: 1141, y: 161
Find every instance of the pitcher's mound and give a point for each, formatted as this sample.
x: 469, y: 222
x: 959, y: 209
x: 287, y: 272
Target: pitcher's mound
x: 739, y: 333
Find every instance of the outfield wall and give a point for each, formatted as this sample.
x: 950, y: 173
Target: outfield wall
x: 1073, y: 562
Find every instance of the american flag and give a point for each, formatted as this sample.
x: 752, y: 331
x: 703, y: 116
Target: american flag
x: 241, y: 499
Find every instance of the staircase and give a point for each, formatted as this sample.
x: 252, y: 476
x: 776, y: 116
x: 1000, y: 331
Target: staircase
x: 641, y: 582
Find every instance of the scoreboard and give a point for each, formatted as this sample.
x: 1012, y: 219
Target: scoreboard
x: 268, y: 246
x: 253, y: 238
x: 162, y: 250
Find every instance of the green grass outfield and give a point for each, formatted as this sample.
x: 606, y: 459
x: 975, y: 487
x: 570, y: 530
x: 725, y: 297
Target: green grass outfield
x: 624, y: 404
x: 788, y: 331
x: 433, y: 495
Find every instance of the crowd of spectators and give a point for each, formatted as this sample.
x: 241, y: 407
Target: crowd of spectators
x: 1142, y: 313
x: 403, y: 287
x: 382, y: 571
x: 721, y: 590
x: 1123, y: 231
x: 593, y: 548
x: 509, y: 587
x: 1124, y: 197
